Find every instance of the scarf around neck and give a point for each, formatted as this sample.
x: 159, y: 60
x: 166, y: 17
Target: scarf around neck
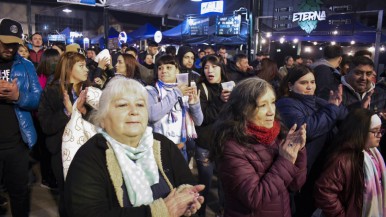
x: 187, y: 127
x: 374, y: 201
x: 138, y: 166
x: 264, y: 135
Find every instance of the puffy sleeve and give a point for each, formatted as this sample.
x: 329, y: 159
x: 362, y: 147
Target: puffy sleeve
x: 319, y: 122
x: 253, y: 185
x: 30, y: 98
x: 330, y: 186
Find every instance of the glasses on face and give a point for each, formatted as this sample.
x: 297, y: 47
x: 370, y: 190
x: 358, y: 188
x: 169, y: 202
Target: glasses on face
x: 378, y: 133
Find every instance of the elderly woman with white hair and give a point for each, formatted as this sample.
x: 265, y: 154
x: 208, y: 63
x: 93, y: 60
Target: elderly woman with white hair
x: 126, y: 169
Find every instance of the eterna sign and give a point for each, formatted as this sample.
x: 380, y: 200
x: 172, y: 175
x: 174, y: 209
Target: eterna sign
x: 306, y: 16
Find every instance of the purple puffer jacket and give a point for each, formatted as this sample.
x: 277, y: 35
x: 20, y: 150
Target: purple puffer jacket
x: 257, y: 180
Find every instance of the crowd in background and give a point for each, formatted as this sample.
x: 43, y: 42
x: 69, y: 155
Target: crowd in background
x: 304, y: 138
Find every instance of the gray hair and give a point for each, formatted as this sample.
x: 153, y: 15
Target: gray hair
x: 116, y: 88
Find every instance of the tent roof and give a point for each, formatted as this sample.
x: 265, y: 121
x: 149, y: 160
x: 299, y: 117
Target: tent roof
x: 113, y: 33
x: 143, y: 32
x: 66, y: 32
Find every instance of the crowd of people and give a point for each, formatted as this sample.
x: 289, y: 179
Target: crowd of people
x: 305, y: 139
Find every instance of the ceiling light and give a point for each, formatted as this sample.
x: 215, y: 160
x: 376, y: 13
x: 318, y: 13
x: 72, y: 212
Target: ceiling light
x: 66, y: 10
x: 196, y: 0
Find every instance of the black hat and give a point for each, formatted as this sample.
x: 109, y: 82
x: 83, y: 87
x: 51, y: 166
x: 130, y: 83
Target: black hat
x: 10, y: 31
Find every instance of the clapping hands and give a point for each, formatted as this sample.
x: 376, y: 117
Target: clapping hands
x: 336, y: 96
x: 295, y: 141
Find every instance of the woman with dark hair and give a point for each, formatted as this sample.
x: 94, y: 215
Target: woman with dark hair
x: 257, y: 166
x: 45, y: 72
x: 353, y: 182
x: 47, y: 65
x: 127, y: 66
x: 55, y: 107
x: 186, y: 58
x: 268, y: 71
x: 212, y: 99
x: 59, y: 46
x: 299, y: 105
x: 148, y: 61
x: 174, y: 109
x: 288, y: 64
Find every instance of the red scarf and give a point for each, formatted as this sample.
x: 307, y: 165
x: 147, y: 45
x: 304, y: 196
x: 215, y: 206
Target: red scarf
x: 264, y: 135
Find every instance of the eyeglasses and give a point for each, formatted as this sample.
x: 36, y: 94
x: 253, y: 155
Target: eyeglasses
x: 378, y: 133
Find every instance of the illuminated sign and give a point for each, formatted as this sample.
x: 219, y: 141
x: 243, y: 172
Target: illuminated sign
x: 76, y: 35
x: 229, y: 25
x: 309, y: 15
x: 306, y: 16
x: 81, y: 2
x: 212, y: 7
x: 198, y: 26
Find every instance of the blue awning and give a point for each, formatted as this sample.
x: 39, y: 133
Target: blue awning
x: 143, y: 32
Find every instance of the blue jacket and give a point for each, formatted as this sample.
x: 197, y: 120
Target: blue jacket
x: 29, y: 96
x: 317, y: 113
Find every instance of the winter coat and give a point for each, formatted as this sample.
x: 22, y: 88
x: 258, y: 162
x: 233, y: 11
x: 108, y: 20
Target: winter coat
x: 91, y: 186
x: 256, y: 180
x: 36, y: 56
x: 331, y: 189
x: 234, y: 74
x: 52, y: 118
x: 211, y: 105
x: 159, y: 108
x: 326, y: 77
x: 352, y: 99
x: 29, y: 97
x: 320, y: 117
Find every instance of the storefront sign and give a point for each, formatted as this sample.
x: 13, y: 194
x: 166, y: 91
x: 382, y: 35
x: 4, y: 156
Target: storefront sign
x: 306, y: 16
x: 309, y: 14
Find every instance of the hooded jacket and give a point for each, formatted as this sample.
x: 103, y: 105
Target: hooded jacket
x: 353, y: 99
x: 326, y: 77
x: 193, y: 75
x: 29, y: 97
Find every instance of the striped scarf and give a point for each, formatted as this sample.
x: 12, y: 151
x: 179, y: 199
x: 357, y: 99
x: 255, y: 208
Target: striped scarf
x: 188, y: 130
x: 374, y: 201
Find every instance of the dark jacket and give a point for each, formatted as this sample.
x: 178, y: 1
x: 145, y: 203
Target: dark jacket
x: 353, y: 100
x: 331, y: 189
x: 211, y: 105
x: 320, y: 117
x: 256, y: 180
x: 326, y: 77
x: 36, y: 56
x: 29, y: 96
x: 52, y: 118
x: 89, y: 190
x: 234, y: 74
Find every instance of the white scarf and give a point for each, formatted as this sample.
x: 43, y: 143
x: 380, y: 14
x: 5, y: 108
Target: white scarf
x: 138, y: 166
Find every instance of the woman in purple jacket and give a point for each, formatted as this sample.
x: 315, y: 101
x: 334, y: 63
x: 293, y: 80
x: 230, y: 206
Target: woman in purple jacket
x: 256, y: 166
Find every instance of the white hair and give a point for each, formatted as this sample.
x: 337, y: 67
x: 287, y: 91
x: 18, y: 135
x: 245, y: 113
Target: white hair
x: 116, y: 88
